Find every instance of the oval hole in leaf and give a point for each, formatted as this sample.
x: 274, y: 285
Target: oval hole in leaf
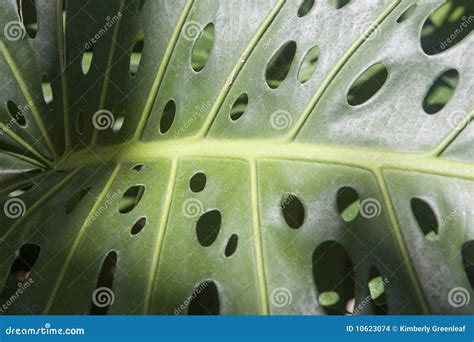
x: 75, y: 199
x: 308, y: 65
x: 17, y: 113
x: 425, y: 217
x: 28, y: 9
x: 105, y: 280
x: 280, y: 64
x: 208, y: 227
x: 81, y: 122
x: 167, y: 117
x: 138, y: 167
x: 137, y: 51
x: 441, y: 91
x: 292, y: 210
x: 197, y: 182
x: 239, y: 107
x: 47, y: 91
x: 131, y: 198
x: 447, y: 26
x: 408, y: 12
x: 305, y: 7
x: 138, y: 226
x: 337, y: 4
x: 86, y: 61
x: 348, y: 203
x: 367, y: 84
x: 377, y: 293
x: 327, y: 258
x: 21, y: 190
x: 205, y: 300
x: 203, y: 47
x: 231, y: 245
x: 467, y: 252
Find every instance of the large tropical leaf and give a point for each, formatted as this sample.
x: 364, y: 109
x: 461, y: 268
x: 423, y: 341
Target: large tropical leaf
x: 236, y: 157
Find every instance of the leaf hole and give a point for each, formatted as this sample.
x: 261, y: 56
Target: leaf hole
x: 407, y: 13
x: 17, y: 113
x: 167, y: 117
x: 136, y: 56
x: 47, y: 91
x: 308, y: 65
x: 280, y: 64
x: 103, y: 294
x: 208, y: 227
x: 239, y: 107
x: 348, y: 203
x: 21, y: 190
x: 377, y: 293
x: 441, y: 91
x: 467, y: 252
x: 333, y: 276
x: 292, y: 210
x: 447, y: 26
x: 367, y: 84
x: 305, y: 7
x: 203, y: 47
x: 29, y: 13
x: 337, y: 4
x: 425, y: 217
x: 81, y: 122
x: 86, y: 61
x: 138, y: 168
x: 131, y: 198
x: 197, y: 182
x: 205, y: 300
x: 138, y: 226
x: 75, y: 199
x: 231, y: 246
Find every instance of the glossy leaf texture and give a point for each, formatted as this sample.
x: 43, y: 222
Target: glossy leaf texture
x: 245, y: 157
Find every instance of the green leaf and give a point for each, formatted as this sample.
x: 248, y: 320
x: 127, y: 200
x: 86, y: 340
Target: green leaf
x: 237, y: 157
